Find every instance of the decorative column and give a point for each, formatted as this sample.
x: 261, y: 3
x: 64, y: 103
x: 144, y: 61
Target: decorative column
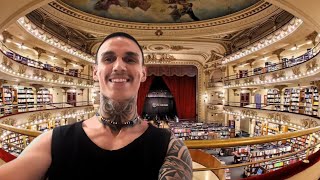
x: 278, y: 53
x: 37, y: 87
x: 64, y: 96
x: 312, y: 37
x: 6, y: 35
x: 40, y: 51
x: 281, y: 87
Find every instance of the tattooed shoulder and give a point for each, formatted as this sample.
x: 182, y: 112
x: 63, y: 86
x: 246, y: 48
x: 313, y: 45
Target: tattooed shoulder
x: 178, y: 162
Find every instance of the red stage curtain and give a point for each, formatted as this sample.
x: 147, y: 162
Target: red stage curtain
x: 183, y: 90
x: 142, y: 94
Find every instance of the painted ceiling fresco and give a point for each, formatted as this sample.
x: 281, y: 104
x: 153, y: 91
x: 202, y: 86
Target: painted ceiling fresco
x: 160, y: 11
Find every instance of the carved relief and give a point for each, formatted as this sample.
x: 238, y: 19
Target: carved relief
x: 311, y: 65
x: 249, y: 112
x: 285, y: 118
x: 223, y: 69
x: 39, y: 73
x: 39, y: 116
x: 208, y: 71
x: 55, y: 77
x: 279, y: 117
x: 296, y: 70
x: 278, y: 74
x: 309, y: 123
x: 9, y: 121
x: 68, y: 79
x: 237, y: 81
x: 262, y: 77
x: 7, y: 62
x: 212, y: 107
x: 179, y: 48
x: 80, y: 81
x: 159, y: 58
x: 213, y: 56
x: 22, y: 69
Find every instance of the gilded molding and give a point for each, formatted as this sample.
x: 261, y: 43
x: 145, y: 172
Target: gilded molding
x: 309, y: 123
x: 262, y: 77
x: 55, y: 77
x: 311, y: 64
x: 158, y: 58
x: 9, y: 121
x: 296, y: 70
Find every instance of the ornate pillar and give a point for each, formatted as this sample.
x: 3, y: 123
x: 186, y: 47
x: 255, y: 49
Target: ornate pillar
x: 312, y: 37
x: 64, y: 94
x: 37, y: 87
x: 6, y: 35
x: 278, y: 53
x: 281, y: 87
x: 40, y: 51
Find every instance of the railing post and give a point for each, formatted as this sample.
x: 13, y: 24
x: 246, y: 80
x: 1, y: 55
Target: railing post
x: 306, y: 160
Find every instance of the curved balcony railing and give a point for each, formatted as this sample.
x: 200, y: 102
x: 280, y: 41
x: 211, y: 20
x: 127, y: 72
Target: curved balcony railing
x: 39, y: 65
x: 279, y: 34
x: 12, y: 68
x: 287, y: 63
x: 12, y: 109
x: 302, y: 154
x: 295, y: 109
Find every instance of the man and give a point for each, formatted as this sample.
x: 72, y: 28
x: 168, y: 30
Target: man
x: 114, y: 144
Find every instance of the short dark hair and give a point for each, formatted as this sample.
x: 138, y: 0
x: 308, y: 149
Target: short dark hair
x: 120, y: 34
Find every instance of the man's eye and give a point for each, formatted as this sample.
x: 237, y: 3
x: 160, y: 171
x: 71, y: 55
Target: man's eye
x: 130, y: 59
x: 110, y: 59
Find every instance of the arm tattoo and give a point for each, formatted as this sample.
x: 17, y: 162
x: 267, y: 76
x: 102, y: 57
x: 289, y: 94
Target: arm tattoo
x: 178, y: 163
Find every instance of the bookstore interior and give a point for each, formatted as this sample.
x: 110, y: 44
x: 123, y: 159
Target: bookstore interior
x: 238, y: 82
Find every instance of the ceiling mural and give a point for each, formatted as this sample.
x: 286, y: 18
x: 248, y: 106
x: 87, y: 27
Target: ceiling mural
x: 160, y: 11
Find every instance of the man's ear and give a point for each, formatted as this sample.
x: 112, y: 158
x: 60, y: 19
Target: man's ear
x: 144, y: 74
x: 95, y: 76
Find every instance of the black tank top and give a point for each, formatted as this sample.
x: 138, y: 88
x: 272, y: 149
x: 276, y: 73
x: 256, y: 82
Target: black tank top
x: 75, y: 156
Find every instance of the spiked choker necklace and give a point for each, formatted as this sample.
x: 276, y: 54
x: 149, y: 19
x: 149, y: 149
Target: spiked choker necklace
x: 117, y: 125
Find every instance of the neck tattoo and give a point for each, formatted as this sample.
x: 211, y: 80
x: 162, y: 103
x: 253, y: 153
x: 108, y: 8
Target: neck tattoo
x: 118, y: 115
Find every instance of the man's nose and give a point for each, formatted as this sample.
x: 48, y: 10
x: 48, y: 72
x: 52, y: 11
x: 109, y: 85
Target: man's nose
x: 119, y: 65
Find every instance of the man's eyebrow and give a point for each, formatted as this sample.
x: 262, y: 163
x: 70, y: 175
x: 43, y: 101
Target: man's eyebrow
x: 107, y: 53
x: 130, y: 53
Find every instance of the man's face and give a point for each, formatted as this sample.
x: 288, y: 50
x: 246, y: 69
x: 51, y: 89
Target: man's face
x: 119, y: 70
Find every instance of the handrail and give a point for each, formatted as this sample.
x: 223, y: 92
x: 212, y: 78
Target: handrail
x: 82, y: 76
x: 259, y: 161
x: 22, y: 131
x: 279, y: 107
x: 279, y: 65
x: 218, y: 143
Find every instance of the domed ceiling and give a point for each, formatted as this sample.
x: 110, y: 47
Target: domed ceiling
x: 160, y: 11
